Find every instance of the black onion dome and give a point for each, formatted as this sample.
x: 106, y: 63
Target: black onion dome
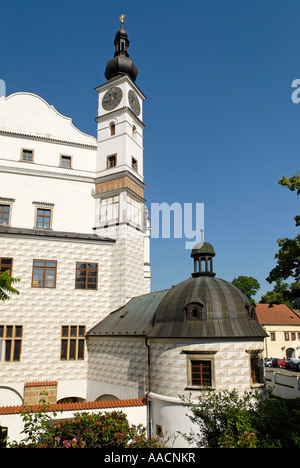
x: 121, y: 63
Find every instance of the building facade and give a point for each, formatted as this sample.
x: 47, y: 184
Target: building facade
x: 282, y: 325
x: 201, y: 333
x: 73, y: 228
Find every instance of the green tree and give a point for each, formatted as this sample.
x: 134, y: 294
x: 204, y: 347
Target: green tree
x: 6, y: 287
x: 288, y: 255
x: 248, y: 285
x: 251, y: 420
x: 281, y: 293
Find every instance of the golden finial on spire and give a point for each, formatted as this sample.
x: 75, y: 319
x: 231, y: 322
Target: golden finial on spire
x: 121, y: 18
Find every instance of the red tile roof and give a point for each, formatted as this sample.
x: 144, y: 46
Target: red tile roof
x: 80, y: 406
x: 48, y: 383
x: 276, y: 314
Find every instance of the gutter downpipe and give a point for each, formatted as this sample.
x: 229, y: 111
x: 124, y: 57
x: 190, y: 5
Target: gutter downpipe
x: 149, y: 388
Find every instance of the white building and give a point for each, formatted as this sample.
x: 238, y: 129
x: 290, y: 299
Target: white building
x: 73, y: 227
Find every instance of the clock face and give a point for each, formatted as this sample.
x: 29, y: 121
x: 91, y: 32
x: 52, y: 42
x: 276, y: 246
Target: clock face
x: 112, y: 98
x: 134, y: 102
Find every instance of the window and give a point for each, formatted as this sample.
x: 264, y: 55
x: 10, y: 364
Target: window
x: 109, y: 209
x: 134, y: 164
x: 43, y: 218
x: 10, y: 342
x: 273, y: 336
x: 72, y: 342
x: 86, y: 275
x: 194, y: 311
x: 4, y: 214
x: 256, y: 369
x: 111, y: 161
x: 200, y: 373
x: 27, y: 155
x: 6, y: 264
x: 200, y: 369
x: 65, y: 161
x: 44, y: 274
x: 112, y: 129
x: 286, y: 336
x: 293, y: 336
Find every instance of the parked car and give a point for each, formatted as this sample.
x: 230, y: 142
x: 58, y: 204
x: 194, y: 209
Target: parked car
x: 268, y: 362
x: 275, y: 362
x: 288, y: 364
x: 282, y: 363
x: 295, y: 365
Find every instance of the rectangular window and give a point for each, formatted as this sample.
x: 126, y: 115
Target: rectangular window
x: 134, y: 164
x: 86, y: 275
x: 44, y: 274
x: 111, y: 161
x: 72, y: 342
x: 43, y: 218
x: 286, y: 336
x: 65, y: 161
x: 4, y: 214
x: 27, y: 155
x: 273, y: 336
x: 6, y: 264
x: 256, y: 369
x: 10, y: 342
x: 201, y: 373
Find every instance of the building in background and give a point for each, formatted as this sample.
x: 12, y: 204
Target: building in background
x: 282, y: 325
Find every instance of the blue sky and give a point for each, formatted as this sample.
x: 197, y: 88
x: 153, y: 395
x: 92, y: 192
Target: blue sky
x: 221, y: 127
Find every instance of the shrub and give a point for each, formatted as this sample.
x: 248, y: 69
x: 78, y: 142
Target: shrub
x: 84, y: 430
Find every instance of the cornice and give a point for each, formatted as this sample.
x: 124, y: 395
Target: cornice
x: 41, y: 173
x: 28, y: 136
x: 115, y: 111
x: 119, y: 175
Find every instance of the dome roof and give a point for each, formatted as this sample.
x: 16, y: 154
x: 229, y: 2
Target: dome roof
x: 224, y: 311
x: 121, y: 65
x: 202, y: 307
x: 203, y: 248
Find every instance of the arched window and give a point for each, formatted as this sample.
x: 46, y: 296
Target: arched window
x: 134, y: 131
x: 251, y: 312
x: 112, y: 128
x: 194, y: 311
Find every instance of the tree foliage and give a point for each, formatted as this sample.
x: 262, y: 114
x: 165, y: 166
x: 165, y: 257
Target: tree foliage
x: 6, y: 287
x: 252, y: 420
x: 288, y: 257
x: 248, y: 285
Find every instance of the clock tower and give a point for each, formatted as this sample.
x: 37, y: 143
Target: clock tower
x: 119, y: 186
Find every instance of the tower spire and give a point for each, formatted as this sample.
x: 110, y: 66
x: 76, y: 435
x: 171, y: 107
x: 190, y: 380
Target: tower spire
x: 121, y: 63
